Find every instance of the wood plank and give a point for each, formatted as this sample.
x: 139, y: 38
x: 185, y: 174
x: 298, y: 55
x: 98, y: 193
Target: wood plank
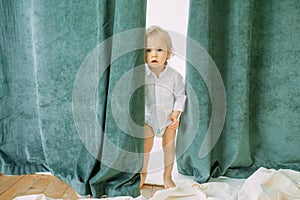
x: 39, y: 186
x: 56, y: 188
x: 8, y: 181
x: 20, y: 187
x: 70, y: 194
x: 52, y: 187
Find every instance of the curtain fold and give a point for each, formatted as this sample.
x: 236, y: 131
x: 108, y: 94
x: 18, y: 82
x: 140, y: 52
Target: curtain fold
x: 44, y: 45
x: 255, y: 46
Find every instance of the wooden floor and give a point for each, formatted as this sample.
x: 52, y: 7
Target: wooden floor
x: 52, y: 187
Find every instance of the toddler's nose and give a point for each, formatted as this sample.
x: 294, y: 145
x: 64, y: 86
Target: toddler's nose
x: 154, y: 53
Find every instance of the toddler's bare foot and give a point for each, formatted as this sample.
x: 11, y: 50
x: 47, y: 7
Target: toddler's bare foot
x: 169, y: 183
x: 143, y: 179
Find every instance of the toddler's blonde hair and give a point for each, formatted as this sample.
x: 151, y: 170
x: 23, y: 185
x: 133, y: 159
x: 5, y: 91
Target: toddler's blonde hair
x: 158, y: 31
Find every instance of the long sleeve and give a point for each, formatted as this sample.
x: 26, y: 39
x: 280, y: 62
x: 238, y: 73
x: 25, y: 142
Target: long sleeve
x: 179, y: 93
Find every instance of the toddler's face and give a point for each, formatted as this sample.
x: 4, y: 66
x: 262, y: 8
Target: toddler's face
x: 156, y: 52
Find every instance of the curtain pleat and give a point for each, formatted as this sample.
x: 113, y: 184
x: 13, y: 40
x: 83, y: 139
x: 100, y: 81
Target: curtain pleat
x: 43, y: 47
x: 255, y: 47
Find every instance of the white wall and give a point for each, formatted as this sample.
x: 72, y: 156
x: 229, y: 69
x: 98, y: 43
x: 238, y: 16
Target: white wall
x: 170, y: 15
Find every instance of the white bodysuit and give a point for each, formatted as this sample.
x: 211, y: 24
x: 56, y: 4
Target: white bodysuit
x: 163, y: 95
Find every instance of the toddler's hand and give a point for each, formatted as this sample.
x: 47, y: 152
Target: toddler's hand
x: 175, y: 122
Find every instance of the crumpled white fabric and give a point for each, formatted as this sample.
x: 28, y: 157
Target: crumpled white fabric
x: 43, y: 197
x: 271, y: 184
x: 264, y: 184
x: 190, y: 190
x: 33, y: 197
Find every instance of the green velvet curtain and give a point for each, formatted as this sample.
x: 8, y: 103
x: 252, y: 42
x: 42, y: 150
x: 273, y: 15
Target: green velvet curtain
x: 44, y: 45
x: 255, y: 45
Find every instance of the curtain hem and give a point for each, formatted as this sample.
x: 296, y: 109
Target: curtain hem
x: 23, y: 169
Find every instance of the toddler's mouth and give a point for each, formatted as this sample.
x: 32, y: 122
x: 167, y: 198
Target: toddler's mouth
x: 154, y: 61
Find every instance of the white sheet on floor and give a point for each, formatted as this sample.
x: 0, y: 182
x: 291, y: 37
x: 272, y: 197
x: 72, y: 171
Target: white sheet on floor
x: 43, y: 197
x: 264, y: 184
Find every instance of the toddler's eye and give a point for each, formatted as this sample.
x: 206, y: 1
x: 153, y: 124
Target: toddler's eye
x: 148, y: 50
x: 159, y: 50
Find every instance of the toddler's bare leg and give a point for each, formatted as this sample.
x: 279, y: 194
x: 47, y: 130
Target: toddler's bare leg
x: 168, y: 144
x: 148, y: 144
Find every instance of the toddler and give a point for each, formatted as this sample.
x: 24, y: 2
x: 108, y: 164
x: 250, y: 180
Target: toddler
x: 165, y: 99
